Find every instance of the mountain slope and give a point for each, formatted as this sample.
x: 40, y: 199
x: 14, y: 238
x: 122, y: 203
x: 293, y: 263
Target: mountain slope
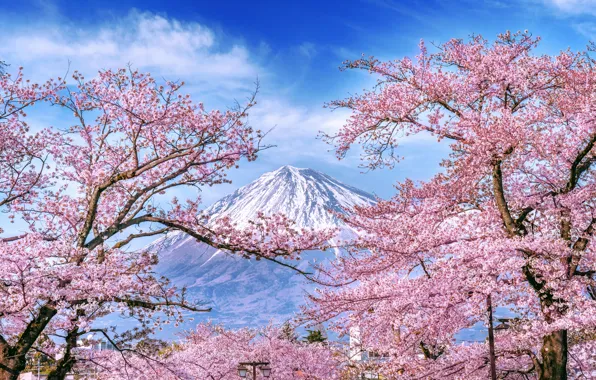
x: 304, y: 195
x: 246, y: 292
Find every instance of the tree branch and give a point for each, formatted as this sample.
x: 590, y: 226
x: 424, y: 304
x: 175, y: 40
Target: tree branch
x: 155, y: 305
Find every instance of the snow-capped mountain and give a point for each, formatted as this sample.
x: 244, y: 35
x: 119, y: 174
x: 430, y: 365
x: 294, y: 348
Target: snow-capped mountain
x: 248, y: 292
x: 304, y: 195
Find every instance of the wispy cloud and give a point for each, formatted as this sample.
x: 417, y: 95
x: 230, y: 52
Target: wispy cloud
x: 308, y: 49
x: 573, y: 7
x: 150, y: 42
x: 587, y: 29
x: 580, y: 14
x: 344, y: 53
x: 418, y: 11
x: 215, y: 72
x: 295, y: 129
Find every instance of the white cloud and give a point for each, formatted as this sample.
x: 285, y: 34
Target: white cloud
x: 297, y: 121
x: 166, y: 47
x: 216, y: 73
x: 296, y: 129
x: 163, y: 46
x: 307, y: 49
x: 574, y: 7
x: 587, y: 29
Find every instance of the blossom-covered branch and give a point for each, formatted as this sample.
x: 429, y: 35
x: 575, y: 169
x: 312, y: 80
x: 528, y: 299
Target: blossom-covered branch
x: 510, y: 216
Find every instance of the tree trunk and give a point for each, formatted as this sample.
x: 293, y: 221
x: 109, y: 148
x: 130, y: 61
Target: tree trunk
x: 554, y: 356
x: 61, y: 370
x: 10, y: 369
x: 65, y: 364
x: 491, y: 339
x: 13, y: 358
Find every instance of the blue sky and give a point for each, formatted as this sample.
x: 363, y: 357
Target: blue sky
x: 219, y: 48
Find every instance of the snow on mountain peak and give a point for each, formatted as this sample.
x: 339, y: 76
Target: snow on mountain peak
x: 305, y: 195
x: 245, y: 292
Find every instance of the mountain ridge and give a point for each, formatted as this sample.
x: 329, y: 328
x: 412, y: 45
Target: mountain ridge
x: 246, y: 292
x: 319, y: 194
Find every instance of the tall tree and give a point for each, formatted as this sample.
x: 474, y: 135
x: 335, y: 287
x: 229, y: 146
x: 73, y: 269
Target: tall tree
x: 131, y: 142
x: 315, y: 336
x: 288, y: 332
x: 510, y: 216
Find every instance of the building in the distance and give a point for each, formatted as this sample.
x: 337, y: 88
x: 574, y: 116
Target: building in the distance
x: 360, y: 356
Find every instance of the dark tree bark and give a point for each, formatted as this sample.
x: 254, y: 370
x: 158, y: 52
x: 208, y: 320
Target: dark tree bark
x: 554, y: 346
x: 14, y: 357
x: 554, y: 356
x: 65, y: 364
x: 491, y: 339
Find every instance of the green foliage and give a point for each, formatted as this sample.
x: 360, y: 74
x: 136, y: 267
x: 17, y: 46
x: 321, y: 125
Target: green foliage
x: 315, y: 336
x: 288, y: 333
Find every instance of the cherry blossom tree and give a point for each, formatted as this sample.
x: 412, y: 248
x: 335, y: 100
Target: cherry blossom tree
x: 508, y: 222
x: 89, y: 188
x: 212, y: 352
x: 23, y: 155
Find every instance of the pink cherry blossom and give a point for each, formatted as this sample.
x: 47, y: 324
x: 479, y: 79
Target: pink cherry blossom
x: 212, y: 352
x: 105, y: 177
x: 510, y: 216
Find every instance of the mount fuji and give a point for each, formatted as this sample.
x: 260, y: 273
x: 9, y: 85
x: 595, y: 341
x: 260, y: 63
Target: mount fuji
x: 246, y: 292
